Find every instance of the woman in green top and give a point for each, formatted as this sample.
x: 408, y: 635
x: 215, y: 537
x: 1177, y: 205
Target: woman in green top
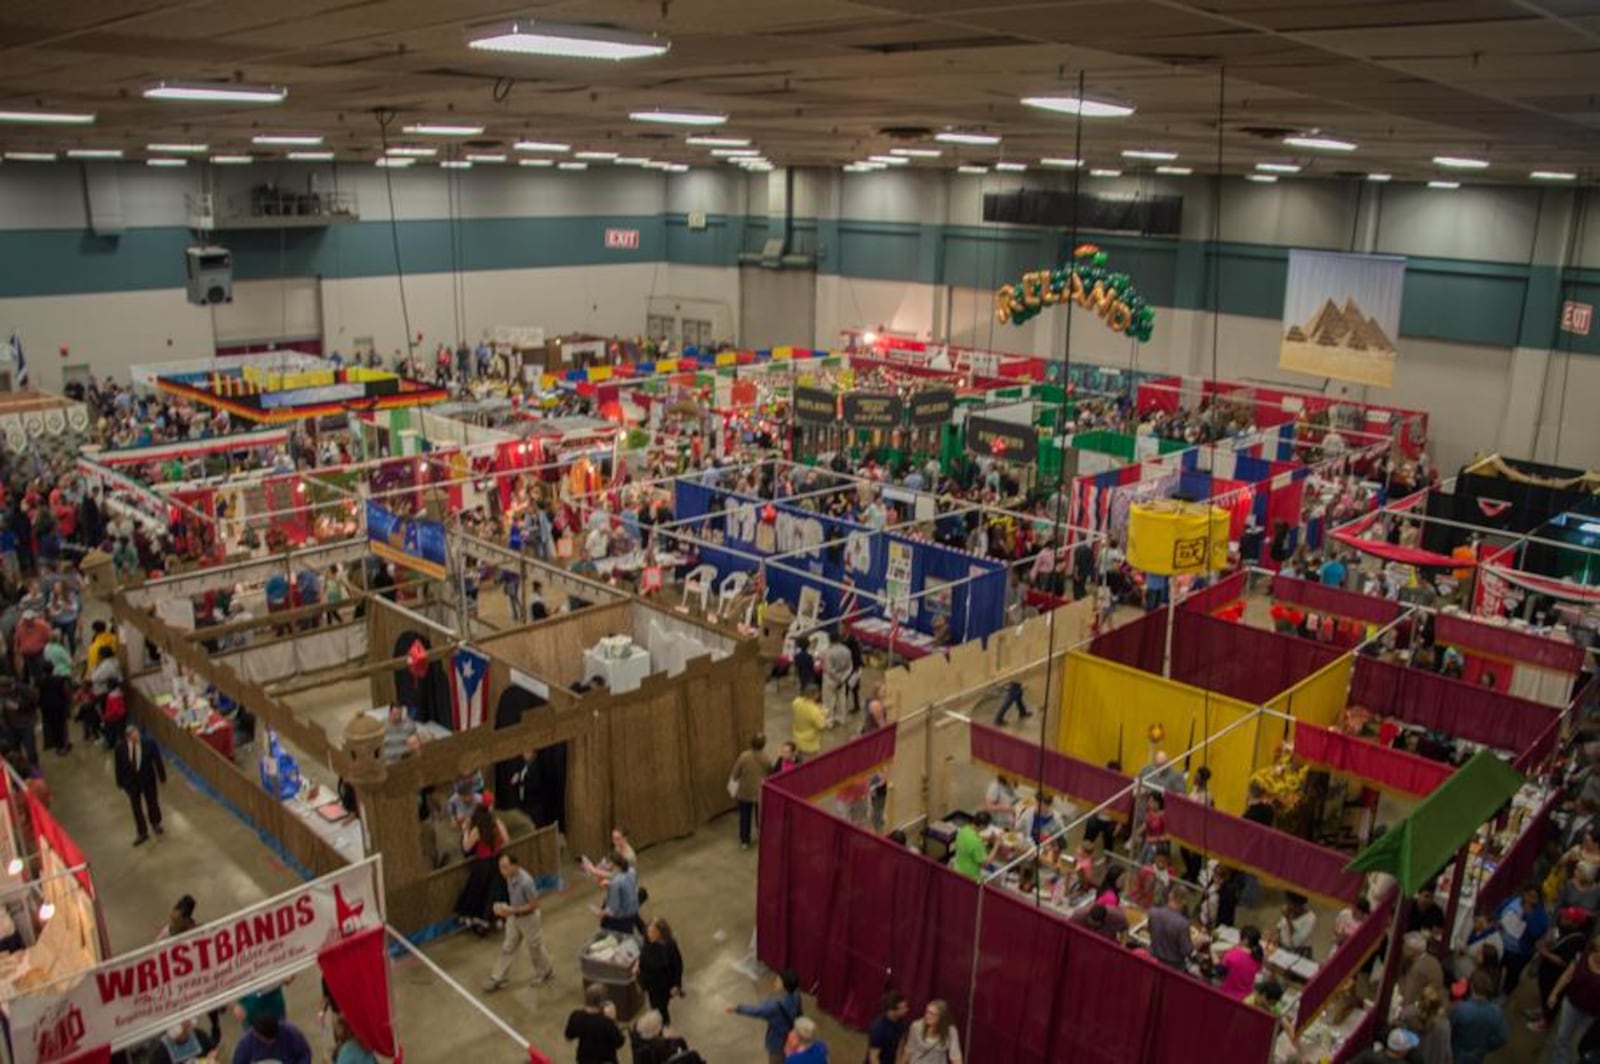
x: 970, y: 850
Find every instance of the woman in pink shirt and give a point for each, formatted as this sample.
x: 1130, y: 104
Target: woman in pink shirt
x: 1242, y: 964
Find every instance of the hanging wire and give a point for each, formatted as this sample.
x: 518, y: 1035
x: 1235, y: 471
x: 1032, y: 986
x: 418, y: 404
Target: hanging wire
x: 1575, y: 233
x: 386, y: 117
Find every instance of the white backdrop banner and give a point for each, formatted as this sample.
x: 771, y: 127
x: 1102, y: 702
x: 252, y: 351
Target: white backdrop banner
x: 136, y: 996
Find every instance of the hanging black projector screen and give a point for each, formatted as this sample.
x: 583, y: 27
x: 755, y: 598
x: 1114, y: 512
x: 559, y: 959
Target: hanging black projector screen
x: 1151, y: 215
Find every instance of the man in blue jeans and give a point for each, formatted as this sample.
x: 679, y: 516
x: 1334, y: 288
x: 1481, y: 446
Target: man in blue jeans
x: 1013, y: 698
x: 780, y: 1011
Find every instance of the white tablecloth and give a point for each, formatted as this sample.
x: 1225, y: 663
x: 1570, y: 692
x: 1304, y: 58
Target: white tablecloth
x: 622, y: 674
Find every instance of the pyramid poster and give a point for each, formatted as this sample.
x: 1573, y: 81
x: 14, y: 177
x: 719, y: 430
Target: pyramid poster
x: 1341, y: 314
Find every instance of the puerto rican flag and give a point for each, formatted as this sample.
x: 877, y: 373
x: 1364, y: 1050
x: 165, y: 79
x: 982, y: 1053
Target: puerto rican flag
x: 469, y: 689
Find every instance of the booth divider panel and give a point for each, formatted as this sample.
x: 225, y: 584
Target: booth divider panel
x: 648, y: 737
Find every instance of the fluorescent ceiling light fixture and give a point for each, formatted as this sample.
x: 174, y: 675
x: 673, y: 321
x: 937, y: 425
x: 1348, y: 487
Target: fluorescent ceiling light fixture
x: 701, y: 141
x: 972, y: 169
x: 762, y: 168
x: 566, y: 41
x: 1278, y: 168
x: 1086, y: 105
x: 917, y: 153
x: 1015, y: 168
x: 404, y: 151
x: 1380, y: 177
x: 957, y: 136
x: 669, y: 117
x: 1060, y: 162
x: 179, y: 148
x: 677, y: 168
x: 1262, y: 179
x: 1175, y: 171
x: 536, y: 162
x: 485, y: 157
x: 572, y: 166
x: 31, y: 156
x: 1553, y: 175
x: 1100, y: 172
x: 1319, y: 142
x: 215, y: 92
x: 1153, y: 154
x: 94, y: 153
x: 1444, y: 184
x: 232, y: 160
x: 631, y: 160
x: 596, y: 156
x: 289, y: 139
x: 1460, y: 162
x: 889, y: 160
x: 856, y: 168
x: 396, y: 162
x: 309, y: 156
x: 735, y: 153
x: 166, y: 162
x: 48, y: 118
x: 442, y: 129
x: 455, y: 164
x: 867, y: 165
x: 541, y: 145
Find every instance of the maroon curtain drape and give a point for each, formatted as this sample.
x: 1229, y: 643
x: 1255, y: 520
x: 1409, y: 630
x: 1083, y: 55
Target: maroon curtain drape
x: 1541, y: 750
x: 356, y: 970
x: 1360, y: 1040
x: 1343, y: 961
x: 1504, y: 642
x: 1394, y: 769
x: 1250, y: 664
x: 1217, y: 595
x: 1286, y: 858
x: 837, y: 765
x: 852, y: 913
x: 1465, y: 710
x: 1062, y: 773
x: 1047, y: 991
x: 1516, y: 864
x: 1317, y: 596
x: 1139, y: 644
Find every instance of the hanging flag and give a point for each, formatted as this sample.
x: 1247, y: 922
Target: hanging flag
x: 469, y: 688
x: 22, y: 362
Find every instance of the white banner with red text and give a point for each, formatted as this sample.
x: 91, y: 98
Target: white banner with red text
x: 136, y: 996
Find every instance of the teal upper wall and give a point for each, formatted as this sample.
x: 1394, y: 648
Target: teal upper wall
x: 1489, y: 303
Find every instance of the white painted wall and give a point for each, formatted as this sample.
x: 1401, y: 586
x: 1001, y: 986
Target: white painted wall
x: 107, y: 331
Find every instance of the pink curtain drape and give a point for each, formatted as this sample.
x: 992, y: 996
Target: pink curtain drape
x: 1250, y: 664
x: 1286, y: 858
x: 1324, y: 599
x: 1429, y: 700
x: 1394, y: 769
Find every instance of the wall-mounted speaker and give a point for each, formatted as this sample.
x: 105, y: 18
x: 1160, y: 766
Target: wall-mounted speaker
x: 210, y: 272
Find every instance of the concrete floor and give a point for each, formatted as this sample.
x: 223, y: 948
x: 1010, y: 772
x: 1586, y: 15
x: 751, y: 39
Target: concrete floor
x: 704, y: 885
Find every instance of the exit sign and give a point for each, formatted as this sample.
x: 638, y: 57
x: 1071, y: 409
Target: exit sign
x: 622, y: 238
x: 1577, y: 317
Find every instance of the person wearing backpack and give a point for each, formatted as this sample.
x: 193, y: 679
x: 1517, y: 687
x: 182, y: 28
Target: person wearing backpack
x: 779, y: 1011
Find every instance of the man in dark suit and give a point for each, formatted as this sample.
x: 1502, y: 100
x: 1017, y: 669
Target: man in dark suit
x: 139, y: 770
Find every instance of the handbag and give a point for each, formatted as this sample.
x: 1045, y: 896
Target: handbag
x: 733, y: 787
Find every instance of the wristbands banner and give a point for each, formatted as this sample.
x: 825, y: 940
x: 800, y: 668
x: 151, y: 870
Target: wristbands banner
x: 137, y: 996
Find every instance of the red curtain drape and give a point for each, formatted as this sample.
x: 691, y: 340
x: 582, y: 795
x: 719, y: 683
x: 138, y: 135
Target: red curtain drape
x: 1464, y: 710
x: 48, y: 828
x: 356, y: 970
x: 1343, y: 961
x: 1323, y: 599
x: 1394, y: 769
x: 1198, y: 1024
x: 1286, y: 858
x: 1062, y: 773
x: 1516, y: 864
x: 1250, y: 664
x: 1540, y: 750
x: 1505, y: 642
x: 1139, y: 644
x: 1224, y: 591
x: 837, y: 765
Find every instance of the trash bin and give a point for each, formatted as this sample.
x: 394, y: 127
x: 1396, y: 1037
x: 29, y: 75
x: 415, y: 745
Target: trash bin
x: 607, y: 960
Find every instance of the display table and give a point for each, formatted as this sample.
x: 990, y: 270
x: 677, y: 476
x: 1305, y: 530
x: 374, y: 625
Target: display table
x: 621, y: 674
x: 908, y: 642
x: 1282, y: 961
x: 216, y: 731
x: 425, y: 728
x: 337, y: 828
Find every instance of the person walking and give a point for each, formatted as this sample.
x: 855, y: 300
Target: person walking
x: 1477, y: 1025
x: 749, y: 771
x: 888, y: 1030
x: 837, y: 664
x: 779, y: 1011
x: 594, y: 1028
x: 1013, y: 697
x: 1580, y: 984
x: 806, y: 1047
x: 347, y: 1048
x: 620, y: 912
x: 523, y: 926
x: 482, y: 839
x: 139, y: 773
x: 660, y: 967
x: 270, y: 1040
x: 55, y: 695
x: 932, y: 1039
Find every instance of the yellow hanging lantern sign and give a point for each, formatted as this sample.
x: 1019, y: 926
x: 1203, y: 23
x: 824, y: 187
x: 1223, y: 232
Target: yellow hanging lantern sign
x: 1172, y: 538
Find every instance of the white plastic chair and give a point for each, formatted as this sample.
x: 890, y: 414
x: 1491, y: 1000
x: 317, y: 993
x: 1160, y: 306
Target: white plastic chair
x: 732, y: 587
x: 698, y: 585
